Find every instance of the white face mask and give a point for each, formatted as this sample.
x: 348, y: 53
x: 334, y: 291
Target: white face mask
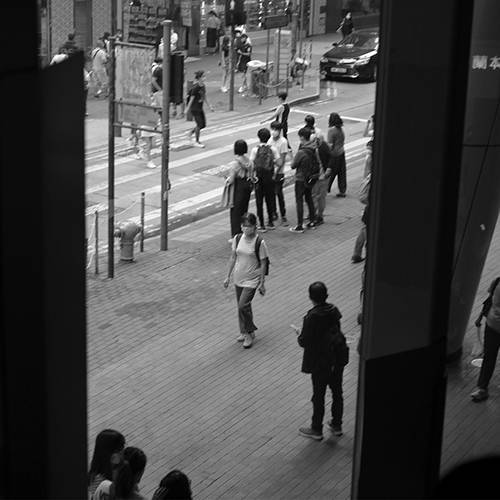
x: 275, y: 133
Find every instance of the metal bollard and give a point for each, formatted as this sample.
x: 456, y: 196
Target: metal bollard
x: 96, y: 243
x: 127, y: 231
x: 143, y: 207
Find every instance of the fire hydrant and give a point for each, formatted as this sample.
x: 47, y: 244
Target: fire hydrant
x: 127, y: 231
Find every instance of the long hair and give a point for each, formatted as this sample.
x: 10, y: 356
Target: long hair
x: 175, y: 485
x: 129, y: 472
x: 107, y: 442
x: 334, y: 120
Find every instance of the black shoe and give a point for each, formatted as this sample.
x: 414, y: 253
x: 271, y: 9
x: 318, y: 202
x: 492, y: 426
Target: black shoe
x: 357, y: 259
x: 270, y: 226
x: 479, y: 395
x: 275, y: 217
x: 311, y: 225
x: 296, y: 229
x: 336, y: 429
x: 311, y: 433
x: 319, y: 221
x: 340, y: 195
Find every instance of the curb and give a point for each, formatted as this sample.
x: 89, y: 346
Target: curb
x: 201, y: 213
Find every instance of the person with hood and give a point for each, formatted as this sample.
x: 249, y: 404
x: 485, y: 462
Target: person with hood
x: 325, y: 355
x: 346, y: 26
x: 241, y: 180
x: 302, y: 164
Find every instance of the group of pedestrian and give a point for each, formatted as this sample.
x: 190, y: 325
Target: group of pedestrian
x: 116, y: 471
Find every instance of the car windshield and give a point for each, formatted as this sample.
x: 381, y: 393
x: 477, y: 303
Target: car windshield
x: 360, y: 41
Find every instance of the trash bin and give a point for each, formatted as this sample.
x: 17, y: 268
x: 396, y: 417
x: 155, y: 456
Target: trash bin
x: 259, y: 77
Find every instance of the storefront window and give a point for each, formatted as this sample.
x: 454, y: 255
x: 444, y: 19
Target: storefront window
x: 361, y: 6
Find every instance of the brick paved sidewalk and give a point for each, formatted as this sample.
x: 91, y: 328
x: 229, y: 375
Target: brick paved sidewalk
x: 164, y: 367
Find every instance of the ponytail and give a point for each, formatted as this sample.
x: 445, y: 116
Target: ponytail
x: 124, y: 481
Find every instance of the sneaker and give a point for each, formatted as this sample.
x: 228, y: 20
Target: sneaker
x: 248, y: 341
x: 296, y: 229
x: 262, y: 229
x: 223, y: 89
x: 310, y: 433
x: 284, y: 222
x: 270, y: 226
x: 151, y: 164
x: 138, y: 156
x: 479, y: 395
x: 197, y: 144
x: 241, y: 90
x: 357, y: 259
x: 311, y: 225
x: 240, y: 337
x: 319, y: 221
x: 336, y: 429
x: 275, y: 217
x: 340, y: 195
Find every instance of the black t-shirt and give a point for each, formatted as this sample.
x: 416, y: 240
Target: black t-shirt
x: 198, y: 92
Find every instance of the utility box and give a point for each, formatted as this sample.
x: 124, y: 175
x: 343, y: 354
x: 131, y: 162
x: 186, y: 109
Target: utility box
x: 282, y: 54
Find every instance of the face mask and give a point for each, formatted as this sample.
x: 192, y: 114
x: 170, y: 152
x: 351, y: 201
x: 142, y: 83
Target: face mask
x: 275, y: 134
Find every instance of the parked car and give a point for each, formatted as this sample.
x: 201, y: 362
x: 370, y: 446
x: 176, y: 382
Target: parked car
x: 353, y: 57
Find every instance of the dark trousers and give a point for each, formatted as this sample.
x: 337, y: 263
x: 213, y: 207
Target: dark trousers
x: 302, y: 191
x: 320, y: 381
x: 339, y: 171
x: 278, y: 190
x: 264, y: 190
x: 242, y: 193
x: 491, y: 347
x: 244, y: 296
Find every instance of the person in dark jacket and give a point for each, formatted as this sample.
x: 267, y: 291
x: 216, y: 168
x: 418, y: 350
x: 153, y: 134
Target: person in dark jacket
x: 346, y: 26
x: 301, y: 164
x: 320, y: 324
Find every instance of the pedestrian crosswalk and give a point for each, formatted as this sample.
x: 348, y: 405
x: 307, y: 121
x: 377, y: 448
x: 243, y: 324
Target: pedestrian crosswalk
x: 193, y: 189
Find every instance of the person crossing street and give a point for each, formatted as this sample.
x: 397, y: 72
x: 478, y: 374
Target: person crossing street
x: 197, y: 95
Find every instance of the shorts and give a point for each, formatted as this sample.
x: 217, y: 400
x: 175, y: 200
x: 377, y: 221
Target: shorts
x: 199, y: 118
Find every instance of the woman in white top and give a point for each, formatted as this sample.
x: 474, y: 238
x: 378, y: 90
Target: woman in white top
x: 249, y: 259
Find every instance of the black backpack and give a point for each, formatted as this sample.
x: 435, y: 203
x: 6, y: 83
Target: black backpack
x: 311, y: 172
x: 338, y: 350
x: 258, y: 242
x: 264, y: 161
x: 488, y: 302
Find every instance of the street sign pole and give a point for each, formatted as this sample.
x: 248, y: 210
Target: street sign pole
x: 111, y: 159
x: 165, y: 133
x: 232, y: 52
x: 301, y: 26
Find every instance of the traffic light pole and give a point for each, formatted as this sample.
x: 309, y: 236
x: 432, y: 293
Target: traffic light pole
x: 232, y: 54
x: 165, y: 134
x: 111, y: 160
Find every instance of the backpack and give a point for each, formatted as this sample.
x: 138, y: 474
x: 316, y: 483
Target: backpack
x: 488, y: 302
x: 364, y: 190
x: 258, y: 242
x: 311, y: 172
x: 264, y: 161
x: 336, y: 348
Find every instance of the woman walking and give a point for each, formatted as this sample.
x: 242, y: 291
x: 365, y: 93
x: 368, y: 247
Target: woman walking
x: 224, y: 62
x: 241, y: 180
x: 250, y: 261
x: 346, y: 26
x: 213, y: 27
x: 335, y: 139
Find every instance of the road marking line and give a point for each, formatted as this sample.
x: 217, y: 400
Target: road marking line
x: 355, y: 151
x: 296, y: 110
x: 351, y: 118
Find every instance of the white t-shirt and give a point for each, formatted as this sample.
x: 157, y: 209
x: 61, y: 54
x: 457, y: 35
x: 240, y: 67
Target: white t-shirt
x: 246, y: 269
x: 99, y: 59
x: 281, y: 146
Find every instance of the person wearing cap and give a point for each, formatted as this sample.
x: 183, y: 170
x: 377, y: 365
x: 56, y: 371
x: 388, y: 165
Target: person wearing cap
x: 197, y: 95
x: 244, y: 51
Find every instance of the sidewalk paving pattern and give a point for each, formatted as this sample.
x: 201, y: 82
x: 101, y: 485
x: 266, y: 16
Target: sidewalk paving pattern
x: 164, y: 367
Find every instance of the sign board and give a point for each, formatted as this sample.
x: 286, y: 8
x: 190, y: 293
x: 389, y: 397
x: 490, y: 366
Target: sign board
x: 186, y: 16
x: 138, y: 115
x: 272, y: 22
x: 134, y: 73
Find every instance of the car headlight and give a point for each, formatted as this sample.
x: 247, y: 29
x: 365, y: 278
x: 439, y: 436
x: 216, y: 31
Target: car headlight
x: 361, y: 62
x: 347, y: 61
x: 323, y: 60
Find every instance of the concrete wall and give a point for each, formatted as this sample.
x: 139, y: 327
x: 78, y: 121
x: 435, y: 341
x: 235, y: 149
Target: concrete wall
x: 101, y: 18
